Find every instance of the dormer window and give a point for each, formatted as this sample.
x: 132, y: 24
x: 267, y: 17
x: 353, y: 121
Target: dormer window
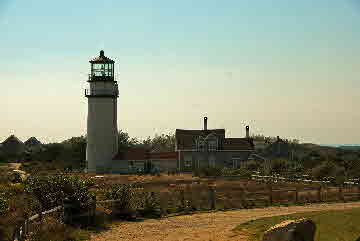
x: 201, y: 147
x: 212, y: 142
x: 212, y: 145
x: 209, y: 143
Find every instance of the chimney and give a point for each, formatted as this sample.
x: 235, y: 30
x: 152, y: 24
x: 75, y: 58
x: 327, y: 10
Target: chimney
x: 205, y: 123
x: 247, y: 132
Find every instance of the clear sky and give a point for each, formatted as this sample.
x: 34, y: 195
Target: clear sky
x: 287, y: 68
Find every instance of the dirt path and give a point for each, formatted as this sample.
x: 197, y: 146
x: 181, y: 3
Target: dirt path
x: 215, y: 226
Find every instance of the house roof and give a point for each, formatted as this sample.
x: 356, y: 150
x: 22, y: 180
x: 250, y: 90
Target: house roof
x: 12, y: 140
x: 163, y: 155
x: 238, y: 144
x: 180, y: 132
x: 32, y: 141
x: 186, y: 138
x: 132, y: 154
x: 144, y: 154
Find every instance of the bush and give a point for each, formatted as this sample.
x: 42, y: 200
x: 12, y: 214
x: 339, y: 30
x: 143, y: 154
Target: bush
x: 279, y: 166
x: 52, y: 229
x: 243, y: 172
x: 4, y: 205
x: 150, y: 203
x: 325, y: 169
x: 208, y: 171
x: 51, y: 190
x: 14, y: 205
x: 125, y: 194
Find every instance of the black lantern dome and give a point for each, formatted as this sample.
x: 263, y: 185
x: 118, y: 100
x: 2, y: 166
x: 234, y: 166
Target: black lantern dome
x: 102, y: 68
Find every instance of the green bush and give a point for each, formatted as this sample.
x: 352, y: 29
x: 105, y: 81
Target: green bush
x: 151, y: 203
x: 52, y: 229
x: 208, y: 171
x: 51, y: 190
x: 279, y: 166
x: 125, y: 194
x: 4, y: 205
x: 243, y: 172
x: 325, y: 169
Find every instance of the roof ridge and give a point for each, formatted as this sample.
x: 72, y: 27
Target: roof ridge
x: 12, y: 137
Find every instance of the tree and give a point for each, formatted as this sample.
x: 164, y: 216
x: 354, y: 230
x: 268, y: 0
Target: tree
x: 327, y: 169
x: 51, y: 152
x: 75, y: 151
x: 125, y: 142
x: 160, y: 143
x: 271, y: 139
x: 163, y: 143
x: 280, y: 166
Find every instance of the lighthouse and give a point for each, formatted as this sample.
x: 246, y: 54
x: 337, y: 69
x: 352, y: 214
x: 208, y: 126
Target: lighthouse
x: 102, y: 131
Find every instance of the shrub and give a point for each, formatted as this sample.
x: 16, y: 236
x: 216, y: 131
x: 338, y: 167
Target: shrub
x: 243, y: 172
x: 151, y: 203
x: 326, y: 169
x: 125, y: 194
x: 52, y: 229
x: 279, y: 166
x: 4, y: 205
x: 51, y: 190
x: 14, y: 207
x: 208, y: 171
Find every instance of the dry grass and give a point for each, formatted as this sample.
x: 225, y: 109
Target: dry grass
x: 341, y: 225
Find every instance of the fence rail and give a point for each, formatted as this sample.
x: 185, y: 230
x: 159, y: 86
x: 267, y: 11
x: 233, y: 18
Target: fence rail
x: 26, y: 227
x: 191, y: 197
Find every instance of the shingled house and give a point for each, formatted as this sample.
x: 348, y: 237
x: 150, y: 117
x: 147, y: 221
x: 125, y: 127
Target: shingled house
x: 136, y: 159
x: 193, y: 149
x: 210, y: 147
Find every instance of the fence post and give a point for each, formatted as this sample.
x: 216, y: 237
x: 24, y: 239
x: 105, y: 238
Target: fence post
x: 91, y: 210
x: 270, y: 194
x: 163, y: 205
x: 182, y: 198
x: 41, y: 218
x: 16, y: 235
x: 319, y: 194
x: 341, y: 196
x: 67, y: 211
x: 212, y: 196
x: 297, y: 194
x: 26, y: 221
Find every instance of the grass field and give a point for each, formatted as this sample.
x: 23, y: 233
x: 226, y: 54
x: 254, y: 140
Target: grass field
x: 341, y: 225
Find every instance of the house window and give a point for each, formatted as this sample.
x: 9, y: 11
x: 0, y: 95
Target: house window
x: 212, y: 145
x: 188, y: 163
x: 201, y: 147
x: 212, y: 160
x: 236, y: 162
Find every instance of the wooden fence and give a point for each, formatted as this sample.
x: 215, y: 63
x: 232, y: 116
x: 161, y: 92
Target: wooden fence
x: 193, y: 197
x: 31, y: 223
x: 203, y: 197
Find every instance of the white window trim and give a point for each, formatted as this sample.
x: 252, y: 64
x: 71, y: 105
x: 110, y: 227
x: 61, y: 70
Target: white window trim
x: 188, y: 163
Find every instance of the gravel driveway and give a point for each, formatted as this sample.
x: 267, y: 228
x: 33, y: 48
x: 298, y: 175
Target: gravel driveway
x: 216, y: 226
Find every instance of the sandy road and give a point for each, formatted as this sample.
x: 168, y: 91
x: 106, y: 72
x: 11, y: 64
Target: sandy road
x: 216, y: 226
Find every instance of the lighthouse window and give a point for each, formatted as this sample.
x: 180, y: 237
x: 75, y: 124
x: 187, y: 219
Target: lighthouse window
x: 102, y: 70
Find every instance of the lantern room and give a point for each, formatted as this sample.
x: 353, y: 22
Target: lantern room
x: 102, y: 68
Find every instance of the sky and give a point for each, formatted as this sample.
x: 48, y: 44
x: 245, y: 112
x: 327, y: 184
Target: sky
x: 286, y: 68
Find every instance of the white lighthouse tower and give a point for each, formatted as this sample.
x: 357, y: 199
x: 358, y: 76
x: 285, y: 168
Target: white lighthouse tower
x: 102, y: 131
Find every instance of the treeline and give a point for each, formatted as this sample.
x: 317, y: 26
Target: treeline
x: 71, y: 153
x: 271, y: 139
